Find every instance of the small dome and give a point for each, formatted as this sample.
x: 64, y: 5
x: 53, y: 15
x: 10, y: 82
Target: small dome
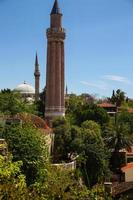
x: 25, y: 89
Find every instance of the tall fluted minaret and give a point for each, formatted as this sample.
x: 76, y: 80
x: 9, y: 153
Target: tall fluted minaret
x: 55, y: 104
x: 37, y: 79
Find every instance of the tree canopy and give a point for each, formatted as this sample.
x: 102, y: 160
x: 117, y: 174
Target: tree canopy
x: 118, y: 97
x: 12, y: 103
x: 26, y: 144
x: 85, y: 141
x: 79, y: 110
x: 12, y: 181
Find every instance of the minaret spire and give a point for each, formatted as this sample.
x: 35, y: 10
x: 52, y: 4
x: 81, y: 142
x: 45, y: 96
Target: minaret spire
x: 55, y: 102
x: 37, y: 78
x: 55, y: 9
x: 56, y: 16
x: 36, y: 63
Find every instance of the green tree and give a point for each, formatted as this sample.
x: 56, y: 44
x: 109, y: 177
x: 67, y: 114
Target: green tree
x: 117, y: 140
x: 79, y: 110
x: 92, y: 127
x: 126, y: 118
x: 95, y: 113
x: 41, y: 103
x: 76, y: 143
x: 6, y: 91
x: 11, y: 103
x: 63, y: 184
x: 27, y: 144
x: 73, y: 104
x: 95, y: 154
x: 85, y: 141
x: 12, y: 181
x: 118, y: 97
x: 62, y: 139
x: 113, y: 97
x: 68, y: 140
x: 98, y: 193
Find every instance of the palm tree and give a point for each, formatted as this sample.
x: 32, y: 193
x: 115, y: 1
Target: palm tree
x: 119, y: 139
x: 118, y: 97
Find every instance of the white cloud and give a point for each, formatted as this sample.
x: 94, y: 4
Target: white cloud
x: 118, y: 79
x: 99, y: 85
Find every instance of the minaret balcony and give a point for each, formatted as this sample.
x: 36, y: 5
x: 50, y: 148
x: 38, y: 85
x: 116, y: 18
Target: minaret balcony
x: 37, y: 73
x: 56, y: 33
x: 56, y: 30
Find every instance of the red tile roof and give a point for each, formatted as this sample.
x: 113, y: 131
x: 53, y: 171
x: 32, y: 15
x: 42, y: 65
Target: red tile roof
x: 128, y: 166
x: 130, y: 110
x: 106, y: 105
x: 37, y: 121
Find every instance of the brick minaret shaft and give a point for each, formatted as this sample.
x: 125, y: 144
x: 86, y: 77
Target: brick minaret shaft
x: 37, y: 79
x: 55, y: 105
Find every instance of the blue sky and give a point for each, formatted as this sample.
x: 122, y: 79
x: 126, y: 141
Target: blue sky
x: 99, y: 43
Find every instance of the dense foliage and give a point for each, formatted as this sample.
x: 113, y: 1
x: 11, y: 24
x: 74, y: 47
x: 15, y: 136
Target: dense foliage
x: 87, y: 134
x: 41, y: 103
x: 11, y: 103
x: 79, y: 110
x: 118, y: 97
x: 59, y: 184
x: 84, y: 141
x: 12, y: 181
x: 27, y: 144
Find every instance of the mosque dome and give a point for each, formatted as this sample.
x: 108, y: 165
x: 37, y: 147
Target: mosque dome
x: 25, y: 89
